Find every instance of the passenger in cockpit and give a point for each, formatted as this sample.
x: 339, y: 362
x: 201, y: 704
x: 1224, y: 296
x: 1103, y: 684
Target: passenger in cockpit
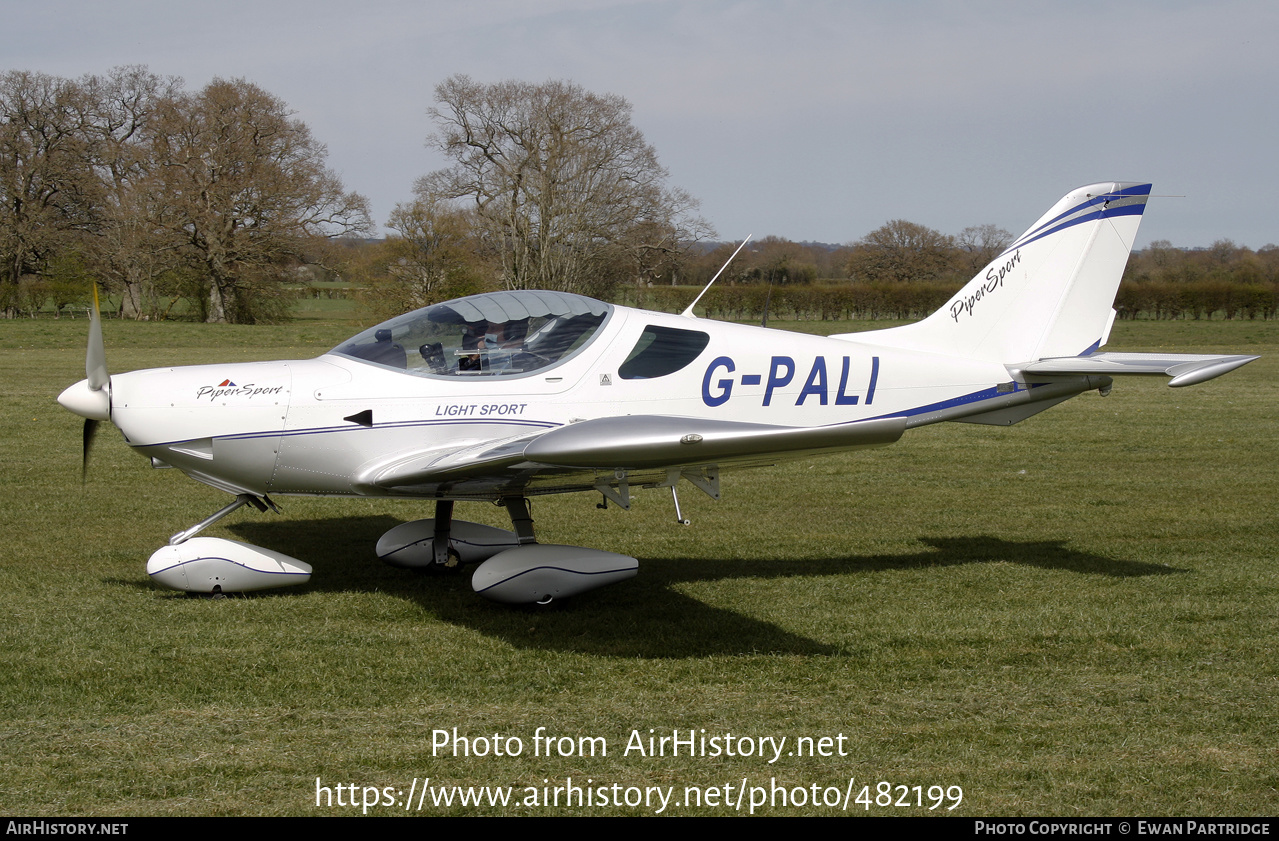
x: 502, y: 343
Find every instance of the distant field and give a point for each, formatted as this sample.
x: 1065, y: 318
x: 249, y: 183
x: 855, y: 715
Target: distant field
x: 1077, y: 615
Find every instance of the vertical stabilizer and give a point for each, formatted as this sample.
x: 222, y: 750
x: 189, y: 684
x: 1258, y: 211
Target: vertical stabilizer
x: 1049, y: 294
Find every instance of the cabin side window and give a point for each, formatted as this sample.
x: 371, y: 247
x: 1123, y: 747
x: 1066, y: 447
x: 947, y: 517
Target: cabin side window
x: 661, y: 351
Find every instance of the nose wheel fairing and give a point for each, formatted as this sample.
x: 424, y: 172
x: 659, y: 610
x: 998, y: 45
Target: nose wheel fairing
x: 218, y: 565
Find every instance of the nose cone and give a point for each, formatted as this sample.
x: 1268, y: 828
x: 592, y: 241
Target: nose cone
x: 86, y: 401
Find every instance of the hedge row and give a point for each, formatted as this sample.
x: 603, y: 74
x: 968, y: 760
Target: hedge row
x: 1200, y: 299
x: 909, y: 301
x: 808, y: 302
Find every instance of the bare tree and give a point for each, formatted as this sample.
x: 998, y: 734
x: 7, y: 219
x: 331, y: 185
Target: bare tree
x: 130, y: 248
x: 561, y: 180
x: 48, y: 191
x: 981, y: 244
x: 245, y: 184
x: 436, y: 253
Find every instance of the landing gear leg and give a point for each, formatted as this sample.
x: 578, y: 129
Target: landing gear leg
x: 446, y: 557
x: 240, y: 501
x: 517, y: 508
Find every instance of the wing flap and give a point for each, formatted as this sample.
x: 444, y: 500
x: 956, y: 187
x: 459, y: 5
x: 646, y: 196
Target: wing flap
x: 1184, y: 368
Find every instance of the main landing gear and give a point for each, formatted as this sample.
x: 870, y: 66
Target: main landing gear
x: 513, y: 567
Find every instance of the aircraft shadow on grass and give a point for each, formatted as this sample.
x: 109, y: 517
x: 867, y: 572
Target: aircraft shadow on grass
x: 648, y: 616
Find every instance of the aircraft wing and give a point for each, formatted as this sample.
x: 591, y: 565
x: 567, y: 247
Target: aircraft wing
x: 647, y: 441
x: 1184, y: 368
x: 569, y: 457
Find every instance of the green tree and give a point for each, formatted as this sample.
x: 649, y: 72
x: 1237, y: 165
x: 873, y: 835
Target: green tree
x: 778, y: 260
x: 130, y: 247
x: 245, y: 186
x: 48, y: 190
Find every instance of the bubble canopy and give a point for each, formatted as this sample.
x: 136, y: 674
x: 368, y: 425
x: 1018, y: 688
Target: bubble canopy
x: 497, y: 334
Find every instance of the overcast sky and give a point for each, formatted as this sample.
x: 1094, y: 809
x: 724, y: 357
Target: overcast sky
x: 809, y: 120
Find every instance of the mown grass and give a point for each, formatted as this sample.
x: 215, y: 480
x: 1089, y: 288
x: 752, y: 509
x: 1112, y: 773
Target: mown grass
x: 1076, y: 615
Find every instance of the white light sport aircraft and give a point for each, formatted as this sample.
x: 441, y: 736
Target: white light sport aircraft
x: 507, y: 395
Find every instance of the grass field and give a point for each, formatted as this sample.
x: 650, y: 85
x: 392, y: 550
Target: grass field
x: 1073, y: 616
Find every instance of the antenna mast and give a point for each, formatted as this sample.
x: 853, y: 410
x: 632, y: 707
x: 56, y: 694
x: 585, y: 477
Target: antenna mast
x: 688, y: 313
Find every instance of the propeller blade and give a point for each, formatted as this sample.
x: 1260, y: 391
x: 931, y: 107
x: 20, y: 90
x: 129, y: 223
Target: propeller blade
x: 95, y: 358
x: 90, y: 429
x: 95, y: 370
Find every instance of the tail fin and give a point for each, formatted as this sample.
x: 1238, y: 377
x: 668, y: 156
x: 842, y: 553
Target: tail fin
x: 1049, y: 294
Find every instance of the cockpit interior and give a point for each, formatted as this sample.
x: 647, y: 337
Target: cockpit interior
x: 496, y: 334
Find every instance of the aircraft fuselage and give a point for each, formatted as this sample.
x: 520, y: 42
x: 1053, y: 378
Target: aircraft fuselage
x: 316, y: 426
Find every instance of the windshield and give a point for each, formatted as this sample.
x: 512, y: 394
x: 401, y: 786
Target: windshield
x: 490, y: 335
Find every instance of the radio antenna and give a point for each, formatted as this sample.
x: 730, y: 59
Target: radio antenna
x: 688, y: 313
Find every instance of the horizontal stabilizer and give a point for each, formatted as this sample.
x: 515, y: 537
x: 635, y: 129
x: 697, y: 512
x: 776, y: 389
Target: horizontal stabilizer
x: 1184, y: 368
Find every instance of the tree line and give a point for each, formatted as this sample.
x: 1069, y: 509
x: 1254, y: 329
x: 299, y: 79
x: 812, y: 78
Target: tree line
x: 870, y: 280
x: 898, y: 251
x: 1224, y: 280
x: 221, y: 199
x: 155, y: 191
